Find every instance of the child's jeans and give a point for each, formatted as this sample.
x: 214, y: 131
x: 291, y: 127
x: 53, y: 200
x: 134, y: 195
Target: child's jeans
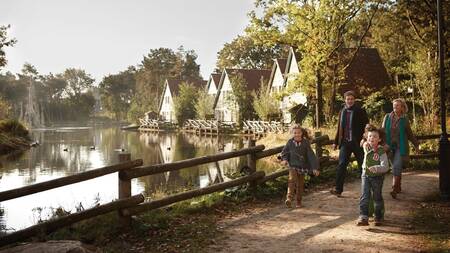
x: 372, y: 184
x: 296, y: 183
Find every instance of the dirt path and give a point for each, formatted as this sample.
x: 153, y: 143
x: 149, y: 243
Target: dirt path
x: 327, y: 223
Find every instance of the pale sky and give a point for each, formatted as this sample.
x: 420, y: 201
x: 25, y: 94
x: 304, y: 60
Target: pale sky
x: 106, y: 36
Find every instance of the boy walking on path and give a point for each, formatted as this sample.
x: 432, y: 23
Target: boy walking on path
x: 350, y: 129
x: 375, y: 165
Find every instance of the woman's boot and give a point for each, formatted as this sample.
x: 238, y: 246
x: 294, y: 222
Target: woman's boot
x: 396, y: 180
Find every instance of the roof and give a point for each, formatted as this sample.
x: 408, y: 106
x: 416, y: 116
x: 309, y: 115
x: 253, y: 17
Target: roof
x: 293, y: 55
x: 277, y: 64
x: 252, y: 78
x: 215, y: 77
x: 366, y: 69
x: 174, y: 86
x: 282, y: 64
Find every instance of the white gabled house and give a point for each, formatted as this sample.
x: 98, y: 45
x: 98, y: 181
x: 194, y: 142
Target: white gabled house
x: 171, y: 90
x: 213, y: 84
x: 276, y: 81
x: 295, y: 99
x: 225, y: 111
x: 365, y: 71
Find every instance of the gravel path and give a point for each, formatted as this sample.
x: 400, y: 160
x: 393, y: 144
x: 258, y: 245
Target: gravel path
x: 327, y: 223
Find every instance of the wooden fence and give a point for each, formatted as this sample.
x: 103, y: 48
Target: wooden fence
x: 127, y: 169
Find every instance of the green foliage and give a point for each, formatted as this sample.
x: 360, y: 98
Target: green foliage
x: 117, y: 91
x: 264, y: 103
x: 13, y: 128
x: 244, y: 52
x: 5, y: 108
x: 5, y: 42
x: 204, y: 104
x: 240, y: 100
x: 375, y: 105
x: 318, y: 30
x: 157, y: 66
x: 184, y: 103
x: 77, y: 81
x: 64, y: 96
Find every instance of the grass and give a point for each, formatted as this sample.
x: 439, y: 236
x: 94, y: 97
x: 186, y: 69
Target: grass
x: 432, y: 220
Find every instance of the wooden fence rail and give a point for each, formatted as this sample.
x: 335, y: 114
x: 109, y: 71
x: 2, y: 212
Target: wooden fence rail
x: 160, y: 168
x: 193, y: 193
x: 128, y: 205
x: 63, y: 181
x: 52, y: 225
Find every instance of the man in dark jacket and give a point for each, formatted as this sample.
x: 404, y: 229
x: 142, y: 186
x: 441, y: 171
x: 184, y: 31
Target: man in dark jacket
x: 350, y: 130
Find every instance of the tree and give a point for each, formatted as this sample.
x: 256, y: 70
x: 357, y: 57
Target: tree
x: 117, y: 91
x: 157, y: 66
x: 244, y: 52
x: 204, y: 105
x: 264, y: 103
x: 318, y: 29
x: 5, y: 42
x: 78, y: 81
x: 184, y: 103
x: 5, y: 108
x: 240, y: 99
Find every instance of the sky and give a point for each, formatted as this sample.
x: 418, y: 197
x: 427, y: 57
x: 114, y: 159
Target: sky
x: 106, y: 36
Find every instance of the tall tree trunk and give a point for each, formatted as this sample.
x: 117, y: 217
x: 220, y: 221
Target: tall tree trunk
x: 319, y: 104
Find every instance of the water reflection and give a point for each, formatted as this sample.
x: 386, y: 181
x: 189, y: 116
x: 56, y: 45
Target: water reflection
x: 66, y: 151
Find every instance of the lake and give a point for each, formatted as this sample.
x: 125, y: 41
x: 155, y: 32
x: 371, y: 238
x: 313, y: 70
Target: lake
x: 69, y: 150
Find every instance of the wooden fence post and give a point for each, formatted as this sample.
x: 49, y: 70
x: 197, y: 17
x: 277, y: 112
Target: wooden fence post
x: 124, y: 190
x: 318, y: 144
x: 251, y: 162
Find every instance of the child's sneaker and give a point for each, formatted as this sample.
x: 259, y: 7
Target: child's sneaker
x: 288, y: 203
x: 362, y: 222
x: 298, y: 204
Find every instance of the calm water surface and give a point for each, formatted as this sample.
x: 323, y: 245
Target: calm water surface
x: 67, y: 151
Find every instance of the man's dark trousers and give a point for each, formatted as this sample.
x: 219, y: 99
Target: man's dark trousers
x: 345, y: 151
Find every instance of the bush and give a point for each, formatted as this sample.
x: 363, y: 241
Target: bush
x: 13, y: 127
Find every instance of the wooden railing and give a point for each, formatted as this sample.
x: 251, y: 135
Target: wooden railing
x: 128, y: 205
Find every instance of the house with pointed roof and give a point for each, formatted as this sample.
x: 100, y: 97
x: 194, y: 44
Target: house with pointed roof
x: 225, y: 110
x: 295, y: 100
x: 276, y: 81
x: 170, y: 91
x: 365, y: 71
x: 213, y: 84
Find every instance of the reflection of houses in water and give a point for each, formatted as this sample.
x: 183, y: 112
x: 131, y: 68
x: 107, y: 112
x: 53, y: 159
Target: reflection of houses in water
x: 176, y: 147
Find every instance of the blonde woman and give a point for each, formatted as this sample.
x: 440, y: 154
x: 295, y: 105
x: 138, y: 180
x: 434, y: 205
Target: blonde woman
x: 398, y: 133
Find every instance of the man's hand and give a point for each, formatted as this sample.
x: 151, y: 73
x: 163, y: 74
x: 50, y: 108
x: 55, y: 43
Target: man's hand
x: 316, y: 172
x: 284, y: 163
x: 334, y: 146
x: 372, y: 169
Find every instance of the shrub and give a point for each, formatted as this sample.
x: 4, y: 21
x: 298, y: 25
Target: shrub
x: 13, y: 127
